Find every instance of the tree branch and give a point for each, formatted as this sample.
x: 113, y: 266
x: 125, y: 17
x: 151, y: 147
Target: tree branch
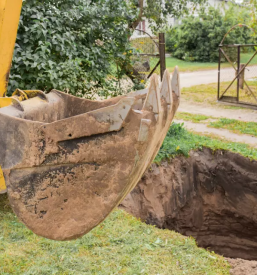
x: 135, y: 23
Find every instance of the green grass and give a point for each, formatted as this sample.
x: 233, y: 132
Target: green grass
x: 204, y: 93
x: 207, y: 93
x: 120, y: 245
x: 236, y: 126
x: 245, y: 57
x: 179, y: 141
x: 186, y: 66
x: 233, y: 125
x: 196, y: 118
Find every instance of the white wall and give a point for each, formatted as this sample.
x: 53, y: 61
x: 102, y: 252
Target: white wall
x: 222, y: 4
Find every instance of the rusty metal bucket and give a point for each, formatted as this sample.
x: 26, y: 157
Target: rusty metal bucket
x: 68, y: 162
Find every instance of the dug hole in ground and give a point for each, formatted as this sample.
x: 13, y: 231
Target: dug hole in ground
x: 211, y: 196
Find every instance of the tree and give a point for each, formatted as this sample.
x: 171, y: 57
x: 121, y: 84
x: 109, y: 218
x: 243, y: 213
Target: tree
x: 198, y: 38
x: 158, y: 11
x: 252, y: 5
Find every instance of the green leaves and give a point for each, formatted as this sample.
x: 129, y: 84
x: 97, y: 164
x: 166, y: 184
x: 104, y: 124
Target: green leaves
x: 159, y: 12
x: 56, y: 45
x: 180, y: 142
x: 198, y: 37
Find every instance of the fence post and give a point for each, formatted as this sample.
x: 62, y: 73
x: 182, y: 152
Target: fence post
x: 218, y: 96
x: 238, y: 70
x: 162, y: 53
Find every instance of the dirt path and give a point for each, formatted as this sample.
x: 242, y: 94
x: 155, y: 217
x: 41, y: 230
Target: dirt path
x: 218, y: 111
x: 211, y: 76
x: 202, y: 128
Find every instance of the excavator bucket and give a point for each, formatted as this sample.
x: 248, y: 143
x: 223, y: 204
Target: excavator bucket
x: 67, y: 162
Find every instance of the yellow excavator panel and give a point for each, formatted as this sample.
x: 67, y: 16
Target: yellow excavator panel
x: 2, y: 182
x: 9, y: 21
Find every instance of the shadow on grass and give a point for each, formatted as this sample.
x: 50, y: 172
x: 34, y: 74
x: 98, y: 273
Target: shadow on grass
x: 5, y: 204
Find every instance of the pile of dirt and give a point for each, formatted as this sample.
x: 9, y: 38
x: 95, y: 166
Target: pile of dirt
x: 242, y: 267
x: 211, y: 196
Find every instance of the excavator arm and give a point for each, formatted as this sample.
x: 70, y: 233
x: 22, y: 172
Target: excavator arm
x: 67, y: 162
x: 9, y: 20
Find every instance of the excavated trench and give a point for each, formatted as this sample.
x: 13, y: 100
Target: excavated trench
x: 211, y: 196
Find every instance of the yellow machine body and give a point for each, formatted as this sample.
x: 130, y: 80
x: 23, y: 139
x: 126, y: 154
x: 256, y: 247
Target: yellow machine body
x: 9, y: 20
x: 9, y: 15
x: 2, y: 182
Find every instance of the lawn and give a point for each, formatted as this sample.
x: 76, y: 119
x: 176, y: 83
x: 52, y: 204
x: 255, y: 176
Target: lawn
x: 179, y: 141
x: 236, y: 126
x: 196, y: 118
x: 207, y: 93
x: 233, y: 125
x: 204, y: 93
x: 185, y: 66
x: 122, y: 244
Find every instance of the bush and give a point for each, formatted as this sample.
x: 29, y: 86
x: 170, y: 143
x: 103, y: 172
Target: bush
x: 72, y: 46
x: 197, y: 38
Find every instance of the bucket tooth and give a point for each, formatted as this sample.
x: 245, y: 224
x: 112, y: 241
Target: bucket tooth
x: 153, y: 100
x: 175, y: 86
x: 166, y: 97
x: 166, y: 93
x: 168, y: 112
x: 175, y: 82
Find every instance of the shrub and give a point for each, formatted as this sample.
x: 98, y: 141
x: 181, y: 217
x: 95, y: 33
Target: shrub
x: 197, y: 38
x: 72, y: 46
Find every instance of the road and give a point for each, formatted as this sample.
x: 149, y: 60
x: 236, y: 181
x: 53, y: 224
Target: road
x: 211, y: 76
x: 217, y: 111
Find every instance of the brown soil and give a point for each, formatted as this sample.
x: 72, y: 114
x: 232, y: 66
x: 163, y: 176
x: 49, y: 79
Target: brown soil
x: 242, y: 267
x: 211, y: 196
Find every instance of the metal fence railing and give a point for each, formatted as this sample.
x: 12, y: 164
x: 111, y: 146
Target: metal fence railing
x: 237, y: 81
x: 237, y: 73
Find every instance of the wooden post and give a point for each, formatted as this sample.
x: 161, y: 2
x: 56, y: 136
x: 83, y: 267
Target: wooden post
x: 241, y: 77
x: 238, y: 70
x: 218, y: 96
x: 162, y: 53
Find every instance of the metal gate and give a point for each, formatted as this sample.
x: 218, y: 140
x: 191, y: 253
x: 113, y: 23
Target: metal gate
x: 237, y: 73
x: 149, y: 55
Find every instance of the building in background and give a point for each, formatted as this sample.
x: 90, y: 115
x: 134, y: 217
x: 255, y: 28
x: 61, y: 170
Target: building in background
x: 143, y: 28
